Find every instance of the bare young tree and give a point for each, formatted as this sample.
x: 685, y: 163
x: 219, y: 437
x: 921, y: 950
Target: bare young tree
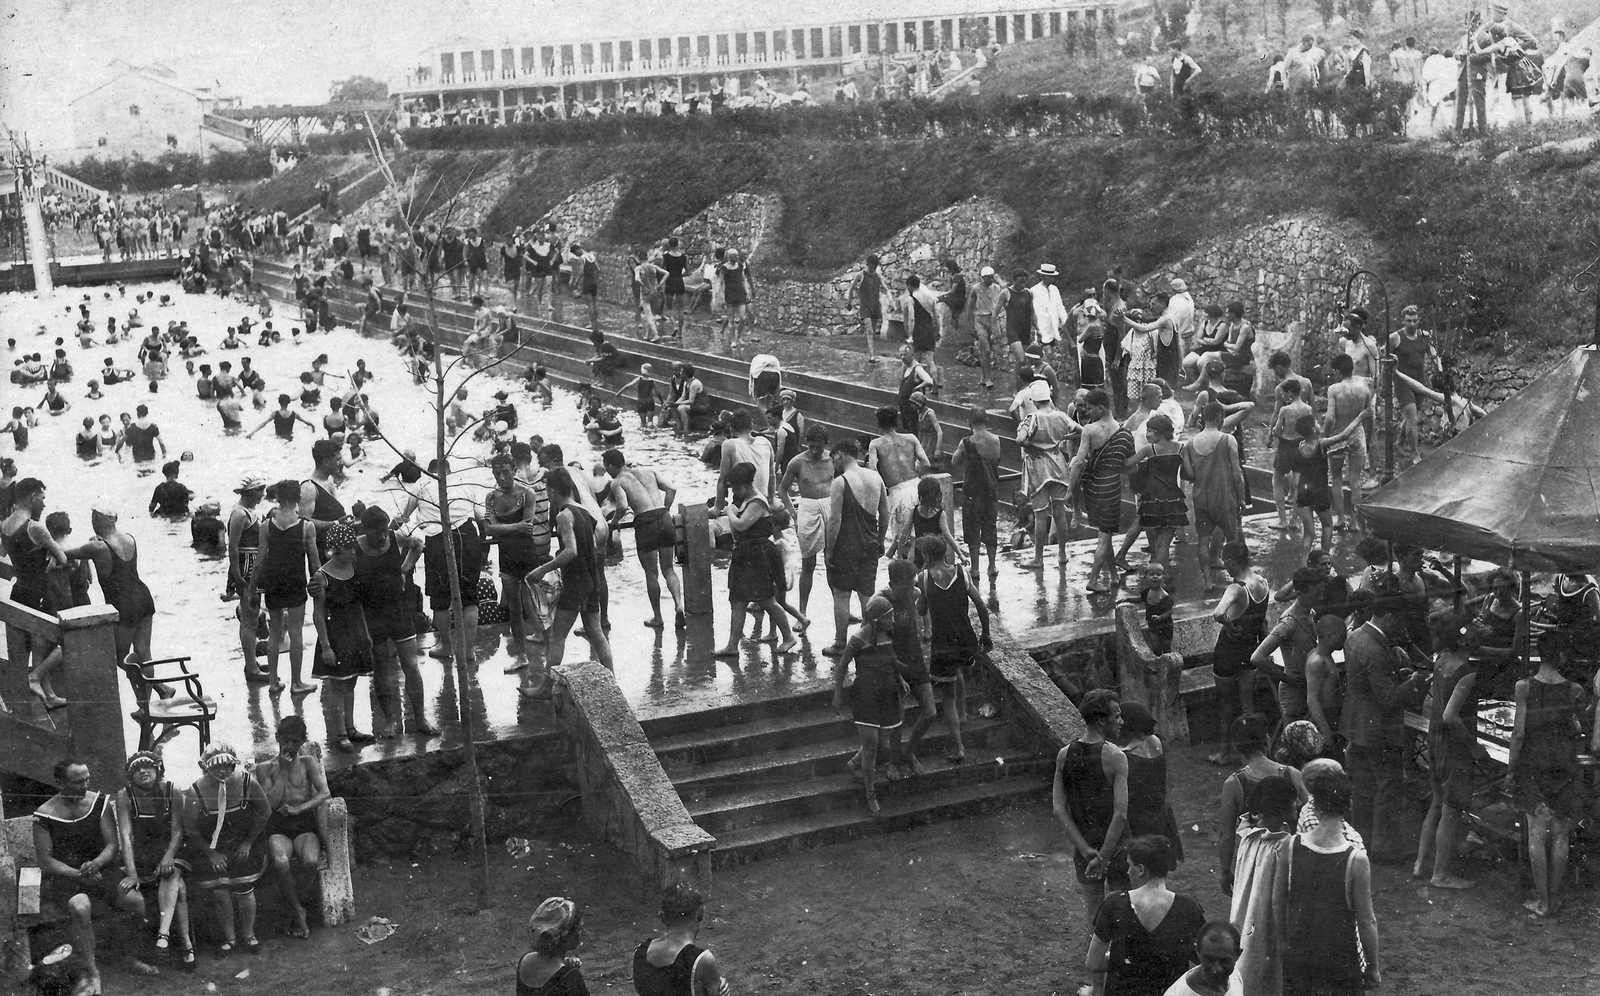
x: 428, y: 278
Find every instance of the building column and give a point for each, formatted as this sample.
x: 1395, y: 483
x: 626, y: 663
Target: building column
x: 502, y: 94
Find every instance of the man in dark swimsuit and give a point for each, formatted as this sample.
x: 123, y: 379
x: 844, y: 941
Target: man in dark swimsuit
x: 296, y: 790
x: 855, y: 536
x: 1091, y: 797
x: 977, y: 460
x: 317, y: 500
x: 74, y: 842
x: 1411, y: 348
x: 867, y: 291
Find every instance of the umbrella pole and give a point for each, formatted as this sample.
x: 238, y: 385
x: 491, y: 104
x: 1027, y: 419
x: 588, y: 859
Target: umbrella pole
x: 1460, y: 594
x: 1527, y: 610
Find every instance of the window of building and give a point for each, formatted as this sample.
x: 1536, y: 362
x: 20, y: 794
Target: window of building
x: 1000, y: 29
x: 102, y: 141
x: 799, y: 46
x: 530, y: 61
x: 605, y: 55
x: 447, y: 67
x: 172, y: 141
x: 486, y: 60
x: 1038, y: 25
x: 586, y: 53
x: 566, y: 58
x: 816, y: 43
x: 761, y: 45
x: 947, y: 33
x: 1055, y: 22
x: 722, y: 48
x: 835, y: 43
x: 1019, y: 27
x: 469, y: 66
x: 133, y: 110
x: 780, y: 44
x: 855, y: 39
x: 625, y: 52
x: 872, y: 39
x: 929, y: 40
x: 702, y: 46
x: 683, y: 49
x: 508, y: 62
x: 910, y: 29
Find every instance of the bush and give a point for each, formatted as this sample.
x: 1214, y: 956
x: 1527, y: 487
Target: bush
x: 138, y: 175
x: 1210, y: 114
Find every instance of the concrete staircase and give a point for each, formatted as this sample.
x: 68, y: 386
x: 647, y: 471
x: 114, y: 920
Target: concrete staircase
x: 769, y: 777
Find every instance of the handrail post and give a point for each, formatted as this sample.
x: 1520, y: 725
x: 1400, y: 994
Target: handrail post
x: 93, y: 690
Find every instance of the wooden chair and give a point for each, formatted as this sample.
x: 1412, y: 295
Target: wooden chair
x: 191, y: 707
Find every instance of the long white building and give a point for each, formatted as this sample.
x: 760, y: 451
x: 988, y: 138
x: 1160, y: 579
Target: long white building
x: 589, y: 49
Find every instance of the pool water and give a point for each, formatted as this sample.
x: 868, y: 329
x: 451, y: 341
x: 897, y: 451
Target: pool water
x: 191, y: 618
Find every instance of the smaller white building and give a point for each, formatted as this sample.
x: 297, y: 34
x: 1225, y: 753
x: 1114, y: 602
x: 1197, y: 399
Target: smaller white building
x: 146, y: 111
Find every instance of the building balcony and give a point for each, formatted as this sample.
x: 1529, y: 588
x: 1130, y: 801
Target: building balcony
x: 553, y: 75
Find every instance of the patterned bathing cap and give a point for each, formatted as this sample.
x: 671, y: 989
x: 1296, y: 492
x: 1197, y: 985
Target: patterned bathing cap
x: 341, y: 536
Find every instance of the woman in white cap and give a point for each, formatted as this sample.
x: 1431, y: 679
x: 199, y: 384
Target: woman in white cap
x: 224, y: 814
x: 551, y: 968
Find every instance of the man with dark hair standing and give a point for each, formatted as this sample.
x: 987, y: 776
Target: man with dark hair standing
x: 811, y: 471
x: 318, y: 502
x: 1411, y: 348
x: 858, y: 517
x: 650, y: 497
x: 1090, y: 798
x: 1349, y: 399
x: 1378, y: 689
x: 866, y: 291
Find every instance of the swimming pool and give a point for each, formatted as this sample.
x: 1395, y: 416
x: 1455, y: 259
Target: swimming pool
x: 192, y: 620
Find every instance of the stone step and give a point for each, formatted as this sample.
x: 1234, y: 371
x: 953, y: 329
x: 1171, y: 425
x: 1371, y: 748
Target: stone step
x: 658, y: 728
x: 741, y: 808
x: 897, y: 813
x: 808, y: 760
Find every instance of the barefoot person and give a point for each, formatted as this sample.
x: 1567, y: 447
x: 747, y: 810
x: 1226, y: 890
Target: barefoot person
x: 296, y: 791
x: 74, y: 842
x: 673, y: 964
x: 943, y: 593
x: 1211, y: 460
x: 384, y: 561
x: 1096, y: 475
x: 875, y: 695
x: 508, y: 517
x: 288, y: 557
x: 1042, y: 435
x: 1453, y: 747
x: 977, y: 460
x: 579, y: 563
x: 1241, y: 613
x: 225, y: 814
x: 650, y: 497
x: 755, y: 574
x: 858, y: 517
x: 150, y: 830
x: 1330, y: 941
x: 1544, y: 777
x: 811, y: 473
x: 901, y: 461
x: 1090, y: 798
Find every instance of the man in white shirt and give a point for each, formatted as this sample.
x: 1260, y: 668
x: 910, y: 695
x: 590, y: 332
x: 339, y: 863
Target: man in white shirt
x: 1049, y: 313
x: 1302, y: 67
x: 1217, y: 950
x: 1180, y: 308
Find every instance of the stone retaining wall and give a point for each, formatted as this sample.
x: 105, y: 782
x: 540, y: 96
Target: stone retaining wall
x: 1290, y: 274
x: 745, y: 220
x: 404, y: 807
x: 627, y: 796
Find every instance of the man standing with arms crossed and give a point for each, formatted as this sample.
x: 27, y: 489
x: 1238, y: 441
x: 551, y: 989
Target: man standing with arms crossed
x: 858, y: 515
x: 812, y: 471
x: 643, y: 490
x: 901, y: 461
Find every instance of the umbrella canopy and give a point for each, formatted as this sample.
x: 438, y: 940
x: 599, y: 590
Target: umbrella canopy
x: 1520, y: 488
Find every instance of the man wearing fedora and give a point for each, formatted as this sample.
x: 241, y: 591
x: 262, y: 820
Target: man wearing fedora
x: 1049, y: 313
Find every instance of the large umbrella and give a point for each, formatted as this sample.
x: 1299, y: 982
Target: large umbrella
x: 1520, y: 488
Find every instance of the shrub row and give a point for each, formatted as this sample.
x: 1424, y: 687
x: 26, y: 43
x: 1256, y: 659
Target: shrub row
x: 138, y: 175
x: 1210, y: 114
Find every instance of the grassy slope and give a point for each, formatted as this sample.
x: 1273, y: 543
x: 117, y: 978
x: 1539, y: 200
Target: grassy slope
x: 1485, y: 243
x: 1042, y: 66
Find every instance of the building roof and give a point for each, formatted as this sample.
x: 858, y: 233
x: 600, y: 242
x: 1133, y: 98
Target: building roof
x: 586, y: 20
x: 156, y: 74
